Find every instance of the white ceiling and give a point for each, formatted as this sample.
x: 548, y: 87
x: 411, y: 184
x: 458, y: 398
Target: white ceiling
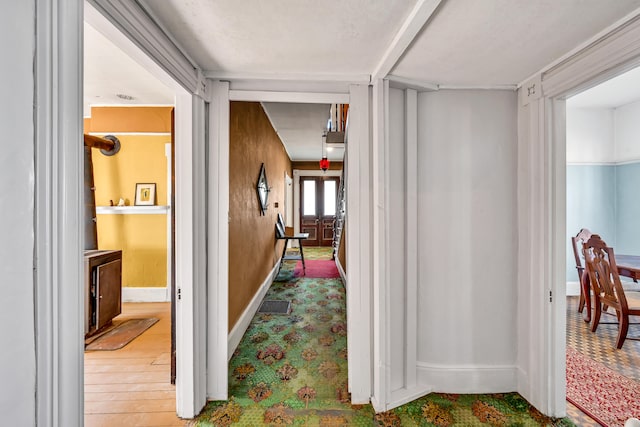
x: 283, y: 36
x: 616, y: 92
x: 503, y: 42
x: 460, y: 43
x: 108, y: 72
x: 302, y: 126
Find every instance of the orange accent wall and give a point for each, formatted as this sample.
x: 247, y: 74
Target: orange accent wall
x: 253, y: 249
x: 131, y: 119
x: 141, y: 159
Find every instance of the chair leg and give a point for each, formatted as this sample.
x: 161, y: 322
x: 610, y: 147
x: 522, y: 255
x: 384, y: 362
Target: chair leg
x: 596, y: 315
x: 585, y: 296
x: 582, y: 301
x: 623, y: 329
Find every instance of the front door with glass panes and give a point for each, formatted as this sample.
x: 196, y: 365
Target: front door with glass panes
x: 318, y: 209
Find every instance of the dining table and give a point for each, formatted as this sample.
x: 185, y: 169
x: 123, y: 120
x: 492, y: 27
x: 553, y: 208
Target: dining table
x: 628, y: 266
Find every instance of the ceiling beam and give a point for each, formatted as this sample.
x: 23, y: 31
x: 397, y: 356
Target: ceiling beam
x: 404, y: 83
x: 296, y: 97
x: 418, y: 17
x: 296, y: 77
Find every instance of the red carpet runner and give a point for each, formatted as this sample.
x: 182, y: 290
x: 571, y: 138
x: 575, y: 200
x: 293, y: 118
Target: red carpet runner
x: 604, y: 395
x: 322, y: 269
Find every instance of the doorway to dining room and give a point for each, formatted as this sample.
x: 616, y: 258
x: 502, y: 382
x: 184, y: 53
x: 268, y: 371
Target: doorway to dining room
x: 602, y: 173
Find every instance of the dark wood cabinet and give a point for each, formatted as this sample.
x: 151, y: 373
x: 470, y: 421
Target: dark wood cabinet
x: 103, y: 288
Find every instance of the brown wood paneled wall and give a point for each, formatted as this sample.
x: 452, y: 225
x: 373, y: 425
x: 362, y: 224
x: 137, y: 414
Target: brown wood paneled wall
x: 253, y: 249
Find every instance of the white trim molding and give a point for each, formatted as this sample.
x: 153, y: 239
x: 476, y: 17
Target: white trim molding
x: 146, y: 294
x: 359, y: 243
x: 58, y: 214
x: 468, y: 378
x: 573, y: 289
x: 411, y: 27
x: 542, y: 207
x: 266, y: 77
x: 218, y: 242
x: 280, y: 96
x: 136, y: 23
x: 250, y: 311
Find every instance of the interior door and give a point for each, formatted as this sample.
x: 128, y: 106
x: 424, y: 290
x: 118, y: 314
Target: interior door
x: 318, y: 209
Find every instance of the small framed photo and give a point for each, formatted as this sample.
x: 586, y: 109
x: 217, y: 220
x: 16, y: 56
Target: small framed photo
x: 145, y: 194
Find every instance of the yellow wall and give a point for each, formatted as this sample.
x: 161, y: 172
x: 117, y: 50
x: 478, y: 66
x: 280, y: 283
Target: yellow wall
x: 141, y: 159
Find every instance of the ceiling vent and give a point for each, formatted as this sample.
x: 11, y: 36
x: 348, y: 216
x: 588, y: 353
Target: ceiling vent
x: 335, y: 138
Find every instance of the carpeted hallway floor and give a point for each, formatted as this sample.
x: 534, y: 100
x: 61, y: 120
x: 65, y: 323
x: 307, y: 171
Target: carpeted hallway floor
x: 291, y: 369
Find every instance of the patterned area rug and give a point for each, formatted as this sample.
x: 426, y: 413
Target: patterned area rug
x: 292, y: 370
x: 603, y: 394
x: 317, y: 269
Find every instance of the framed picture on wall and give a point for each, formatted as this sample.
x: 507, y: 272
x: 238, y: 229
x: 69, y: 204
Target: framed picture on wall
x: 145, y: 194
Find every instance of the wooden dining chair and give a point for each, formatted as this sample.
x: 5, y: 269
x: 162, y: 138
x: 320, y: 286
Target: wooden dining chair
x: 607, y: 288
x: 577, y: 242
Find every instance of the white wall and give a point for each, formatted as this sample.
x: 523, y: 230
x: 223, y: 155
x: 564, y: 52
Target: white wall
x: 590, y: 135
x: 396, y: 241
x: 627, y: 129
x: 467, y: 234
x: 17, y: 357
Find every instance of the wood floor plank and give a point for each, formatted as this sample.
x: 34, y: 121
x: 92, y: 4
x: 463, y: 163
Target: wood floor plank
x: 129, y: 395
x: 108, y: 367
x: 130, y: 406
x: 158, y: 419
x: 119, y: 387
x: 126, y: 378
x: 131, y: 386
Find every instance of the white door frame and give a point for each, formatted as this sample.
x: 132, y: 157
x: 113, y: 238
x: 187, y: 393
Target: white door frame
x: 58, y: 214
x: 358, y: 193
x: 60, y: 365
x: 542, y: 205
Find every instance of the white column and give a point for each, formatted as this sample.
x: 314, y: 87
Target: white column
x: 218, y: 242
x: 359, y: 244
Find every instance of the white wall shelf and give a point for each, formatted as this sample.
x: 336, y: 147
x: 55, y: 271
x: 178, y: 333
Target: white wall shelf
x: 132, y: 210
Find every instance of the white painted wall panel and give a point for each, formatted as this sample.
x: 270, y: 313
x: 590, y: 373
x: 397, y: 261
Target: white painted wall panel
x: 627, y: 129
x: 467, y: 229
x: 590, y: 135
x: 397, y: 241
x: 17, y: 357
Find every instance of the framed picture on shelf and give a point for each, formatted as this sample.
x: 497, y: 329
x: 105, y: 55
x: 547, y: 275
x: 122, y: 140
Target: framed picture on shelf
x: 145, y: 195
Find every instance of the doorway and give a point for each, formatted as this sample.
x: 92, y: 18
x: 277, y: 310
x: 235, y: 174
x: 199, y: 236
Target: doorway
x: 150, y: 109
x: 318, y: 209
x: 602, y: 166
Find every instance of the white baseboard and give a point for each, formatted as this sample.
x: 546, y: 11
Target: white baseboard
x: 468, y: 379
x: 573, y: 288
x: 243, y: 322
x: 139, y: 294
x: 343, y: 275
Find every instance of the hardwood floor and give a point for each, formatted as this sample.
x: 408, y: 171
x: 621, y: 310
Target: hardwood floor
x: 131, y: 386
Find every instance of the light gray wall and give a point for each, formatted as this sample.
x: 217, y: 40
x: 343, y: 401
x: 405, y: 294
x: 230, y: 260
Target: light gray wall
x: 591, y: 203
x: 467, y: 227
x: 17, y: 357
x: 600, y: 143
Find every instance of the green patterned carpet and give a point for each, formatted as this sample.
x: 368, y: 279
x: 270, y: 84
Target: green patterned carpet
x: 292, y: 370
